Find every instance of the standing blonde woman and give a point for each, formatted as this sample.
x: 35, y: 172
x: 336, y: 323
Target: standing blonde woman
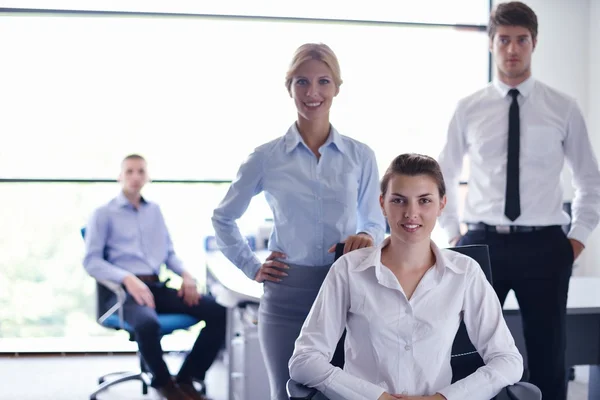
x: 322, y: 188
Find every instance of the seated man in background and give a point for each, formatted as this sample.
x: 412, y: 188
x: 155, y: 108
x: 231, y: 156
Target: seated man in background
x: 126, y: 242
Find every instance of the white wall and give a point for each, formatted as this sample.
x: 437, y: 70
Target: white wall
x: 561, y: 58
x: 567, y: 57
x: 591, y: 256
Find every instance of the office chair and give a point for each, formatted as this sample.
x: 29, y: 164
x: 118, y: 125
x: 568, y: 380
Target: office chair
x: 113, y: 319
x: 464, y: 360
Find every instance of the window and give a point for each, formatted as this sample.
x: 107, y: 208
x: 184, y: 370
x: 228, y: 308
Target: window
x: 44, y: 290
x: 471, y: 12
x: 194, y: 95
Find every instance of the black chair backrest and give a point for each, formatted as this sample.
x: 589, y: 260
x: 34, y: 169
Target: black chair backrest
x: 465, y: 359
x: 479, y: 253
x: 339, y: 250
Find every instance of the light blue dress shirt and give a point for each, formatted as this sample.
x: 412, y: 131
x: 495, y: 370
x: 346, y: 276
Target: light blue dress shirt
x: 121, y: 240
x: 315, y: 203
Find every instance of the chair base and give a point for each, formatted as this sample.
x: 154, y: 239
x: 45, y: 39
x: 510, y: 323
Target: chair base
x: 144, y: 377
x: 105, y: 382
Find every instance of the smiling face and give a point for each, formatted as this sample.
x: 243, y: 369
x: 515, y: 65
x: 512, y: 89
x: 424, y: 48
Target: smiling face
x: 313, y: 89
x: 512, y: 48
x: 412, y: 205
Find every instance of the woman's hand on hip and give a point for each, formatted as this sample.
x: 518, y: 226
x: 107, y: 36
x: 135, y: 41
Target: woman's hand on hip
x: 271, y: 270
x: 354, y: 242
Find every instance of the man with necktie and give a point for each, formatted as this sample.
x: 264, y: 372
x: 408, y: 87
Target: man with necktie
x: 517, y: 133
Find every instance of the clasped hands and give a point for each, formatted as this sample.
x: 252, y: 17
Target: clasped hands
x: 387, y: 396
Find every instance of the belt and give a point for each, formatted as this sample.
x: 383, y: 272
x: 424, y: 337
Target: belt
x: 148, y: 278
x: 505, y: 229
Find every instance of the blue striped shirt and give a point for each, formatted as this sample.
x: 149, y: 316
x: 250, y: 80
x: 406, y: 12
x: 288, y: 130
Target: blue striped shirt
x: 315, y: 203
x: 121, y: 241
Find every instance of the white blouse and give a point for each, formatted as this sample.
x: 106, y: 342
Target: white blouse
x: 403, y: 346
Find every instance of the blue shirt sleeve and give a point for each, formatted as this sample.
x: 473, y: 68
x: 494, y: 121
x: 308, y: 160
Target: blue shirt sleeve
x: 96, y: 236
x: 230, y: 240
x: 370, y: 217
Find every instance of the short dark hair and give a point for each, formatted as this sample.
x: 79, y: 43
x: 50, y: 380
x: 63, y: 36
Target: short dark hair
x: 513, y: 13
x: 412, y: 164
x: 133, y: 157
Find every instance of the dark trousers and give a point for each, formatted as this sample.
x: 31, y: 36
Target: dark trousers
x: 144, y: 321
x: 537, y: 266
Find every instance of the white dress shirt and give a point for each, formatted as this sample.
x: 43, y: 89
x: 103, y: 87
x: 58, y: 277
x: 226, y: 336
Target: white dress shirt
x: 403, y: 346
x: 552, y: 130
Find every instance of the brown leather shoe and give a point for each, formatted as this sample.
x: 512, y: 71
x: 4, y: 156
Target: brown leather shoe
x: 191, y: 392
x: 171, y: 391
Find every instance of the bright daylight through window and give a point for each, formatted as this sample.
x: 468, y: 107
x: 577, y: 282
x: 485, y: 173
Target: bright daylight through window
x: 194, y: 95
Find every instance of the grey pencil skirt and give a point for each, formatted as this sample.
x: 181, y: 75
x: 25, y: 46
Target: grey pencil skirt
x: 283, y: 309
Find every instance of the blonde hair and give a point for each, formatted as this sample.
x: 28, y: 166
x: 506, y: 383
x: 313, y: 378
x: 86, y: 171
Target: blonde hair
x: 314, y: 51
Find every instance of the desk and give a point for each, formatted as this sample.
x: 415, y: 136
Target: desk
x: 583, y: 314
x: 247, y: 375
x: 235, y: 286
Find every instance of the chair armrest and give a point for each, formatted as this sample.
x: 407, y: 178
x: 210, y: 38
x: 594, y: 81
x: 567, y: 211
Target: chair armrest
x: 523, y: 391
x: 297, y: 391
x: 121, y: 294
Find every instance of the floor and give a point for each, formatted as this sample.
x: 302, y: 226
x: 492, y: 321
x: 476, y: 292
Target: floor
x: 75, y: 377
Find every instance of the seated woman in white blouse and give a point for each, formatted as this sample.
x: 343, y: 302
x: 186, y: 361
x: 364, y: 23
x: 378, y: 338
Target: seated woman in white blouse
x: 402, y: 303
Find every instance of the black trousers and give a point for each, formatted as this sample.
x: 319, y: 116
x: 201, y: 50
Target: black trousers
x: 144, y: 321
x: 537, y: 266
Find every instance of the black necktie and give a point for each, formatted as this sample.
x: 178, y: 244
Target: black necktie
x: 512, y: 205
